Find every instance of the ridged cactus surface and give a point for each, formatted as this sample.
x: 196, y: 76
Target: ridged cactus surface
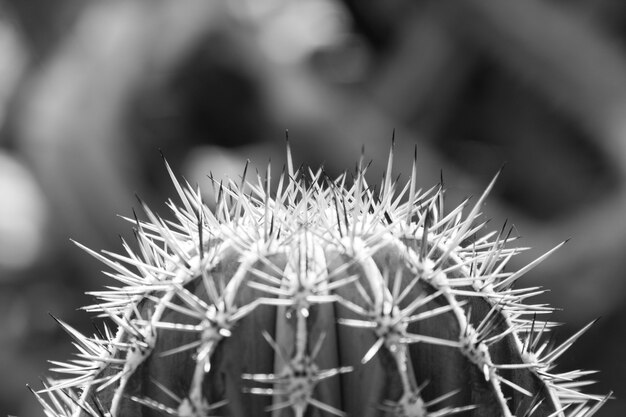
x: 323, y: 299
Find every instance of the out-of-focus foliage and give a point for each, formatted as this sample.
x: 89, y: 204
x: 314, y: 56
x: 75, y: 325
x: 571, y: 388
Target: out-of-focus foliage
x: 89, y: 91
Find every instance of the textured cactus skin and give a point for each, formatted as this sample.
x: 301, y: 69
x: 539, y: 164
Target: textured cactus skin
x: 321, y: 300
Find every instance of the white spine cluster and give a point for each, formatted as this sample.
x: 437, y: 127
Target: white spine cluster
x: 368, y: 303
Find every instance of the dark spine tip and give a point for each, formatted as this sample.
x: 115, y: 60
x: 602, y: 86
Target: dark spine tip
x: 55, y: 318
x: 139, y: 199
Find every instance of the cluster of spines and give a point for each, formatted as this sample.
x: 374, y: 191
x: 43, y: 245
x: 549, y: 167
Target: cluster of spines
x: 307, y: 212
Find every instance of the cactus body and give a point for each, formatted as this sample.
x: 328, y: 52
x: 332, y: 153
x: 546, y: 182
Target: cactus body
x: 321, y: 300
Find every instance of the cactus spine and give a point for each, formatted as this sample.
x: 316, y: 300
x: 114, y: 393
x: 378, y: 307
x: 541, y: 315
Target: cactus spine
x: 325, y: 299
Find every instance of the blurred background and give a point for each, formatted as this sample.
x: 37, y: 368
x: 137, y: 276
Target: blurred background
x: 91, y: 90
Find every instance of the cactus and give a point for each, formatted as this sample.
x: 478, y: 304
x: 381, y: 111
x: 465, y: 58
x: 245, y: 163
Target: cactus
x: 325, y: 299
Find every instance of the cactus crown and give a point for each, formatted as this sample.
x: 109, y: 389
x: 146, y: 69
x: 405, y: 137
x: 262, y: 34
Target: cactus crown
x: 325, y: 299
